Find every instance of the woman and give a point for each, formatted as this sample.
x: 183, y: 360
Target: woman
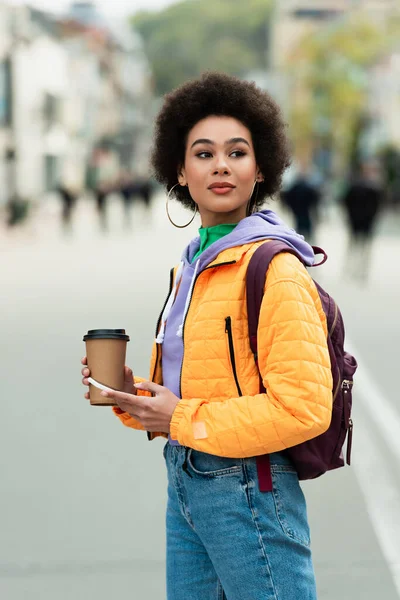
x: 220, y: 149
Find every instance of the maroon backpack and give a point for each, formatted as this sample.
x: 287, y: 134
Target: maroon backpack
x: 323, y: 453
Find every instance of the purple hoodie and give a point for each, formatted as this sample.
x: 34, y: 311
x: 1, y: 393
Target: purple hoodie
x: 262, y: 225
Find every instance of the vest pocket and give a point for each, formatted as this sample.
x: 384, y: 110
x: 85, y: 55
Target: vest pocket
x: 228, y: 331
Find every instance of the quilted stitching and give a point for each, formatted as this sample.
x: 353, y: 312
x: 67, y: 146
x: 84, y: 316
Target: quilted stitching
x: 293, y: 358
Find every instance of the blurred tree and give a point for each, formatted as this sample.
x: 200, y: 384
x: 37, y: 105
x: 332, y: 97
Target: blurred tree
x: 193, y: 36
x: 329, y: 75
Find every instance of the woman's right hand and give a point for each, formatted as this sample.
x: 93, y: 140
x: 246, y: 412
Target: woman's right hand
x: 128, y: 387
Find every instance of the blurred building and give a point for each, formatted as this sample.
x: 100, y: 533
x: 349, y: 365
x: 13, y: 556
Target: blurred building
x: 383, y: 109
x: 134, y: 88
x: 68, y: 86
x: 6, y: 103
x: 295, y: 20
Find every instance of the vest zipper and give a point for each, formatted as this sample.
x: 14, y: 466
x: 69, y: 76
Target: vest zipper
x: 228, y: 330
x: 171, y: 280
x: 231, y: 262
x: 155, y: 362
x: 149, y: 433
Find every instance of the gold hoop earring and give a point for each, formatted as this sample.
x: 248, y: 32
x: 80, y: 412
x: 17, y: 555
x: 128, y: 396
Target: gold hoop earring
x: 168, y: 215
x: 248, y: 211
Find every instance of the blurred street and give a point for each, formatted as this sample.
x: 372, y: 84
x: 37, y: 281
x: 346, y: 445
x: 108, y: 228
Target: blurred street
x: 85, y: 243
x: 82, y: 503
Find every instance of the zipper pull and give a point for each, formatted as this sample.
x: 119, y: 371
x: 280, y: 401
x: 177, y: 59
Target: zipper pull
x: 346, y: 388
x: 349, y: 441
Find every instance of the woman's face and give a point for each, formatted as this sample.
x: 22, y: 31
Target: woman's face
x: 220, y: 169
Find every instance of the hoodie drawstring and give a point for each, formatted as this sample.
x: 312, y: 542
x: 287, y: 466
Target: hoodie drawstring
x: 179, y: 333
x: 168, y: 306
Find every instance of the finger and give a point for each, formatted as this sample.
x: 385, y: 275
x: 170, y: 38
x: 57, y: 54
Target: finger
x: 129, y: 399
x: 84, y: 360
x: 85, y: 372
x: 85, y: 381
x: 87, y: 396
x: 128, y: 374
x: 149, y: 386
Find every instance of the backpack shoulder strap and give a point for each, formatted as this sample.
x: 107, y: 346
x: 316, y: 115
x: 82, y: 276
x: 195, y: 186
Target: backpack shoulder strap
x: 255, y: 282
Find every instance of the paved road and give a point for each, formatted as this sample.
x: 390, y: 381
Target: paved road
x: 82, y: 503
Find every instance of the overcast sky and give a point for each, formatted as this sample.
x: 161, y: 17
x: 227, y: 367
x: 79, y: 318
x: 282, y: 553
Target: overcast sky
x: 116, y: 8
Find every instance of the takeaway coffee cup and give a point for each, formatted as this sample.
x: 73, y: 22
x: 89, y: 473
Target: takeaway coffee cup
x: 106, y: 353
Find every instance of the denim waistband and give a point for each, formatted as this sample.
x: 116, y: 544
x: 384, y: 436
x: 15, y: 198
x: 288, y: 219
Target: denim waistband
x: 276, y: 458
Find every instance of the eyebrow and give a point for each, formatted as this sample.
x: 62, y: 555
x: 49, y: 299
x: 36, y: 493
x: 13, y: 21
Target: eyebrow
x: 234, y: 140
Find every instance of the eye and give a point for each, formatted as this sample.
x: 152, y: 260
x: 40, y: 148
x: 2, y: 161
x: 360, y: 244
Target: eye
x: 237, y: 153
x: 204, y: 154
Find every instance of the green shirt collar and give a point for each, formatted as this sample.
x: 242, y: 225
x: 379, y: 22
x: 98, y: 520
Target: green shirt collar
x: 209, y: 235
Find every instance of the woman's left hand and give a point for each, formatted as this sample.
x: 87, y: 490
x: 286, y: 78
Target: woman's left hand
x: 154, y: 412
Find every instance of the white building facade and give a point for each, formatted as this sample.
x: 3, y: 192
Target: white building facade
x: 66, y: 88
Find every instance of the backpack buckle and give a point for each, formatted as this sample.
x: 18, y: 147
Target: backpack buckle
x: 347, y: 385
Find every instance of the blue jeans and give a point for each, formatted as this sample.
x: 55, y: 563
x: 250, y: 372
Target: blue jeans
x: 226, y: 540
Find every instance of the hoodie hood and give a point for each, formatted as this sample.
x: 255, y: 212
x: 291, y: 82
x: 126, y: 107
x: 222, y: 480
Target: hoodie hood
x: 263, y: 225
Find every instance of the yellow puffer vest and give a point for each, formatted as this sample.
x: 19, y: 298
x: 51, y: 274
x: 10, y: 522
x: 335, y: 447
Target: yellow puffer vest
x: 222, y: 411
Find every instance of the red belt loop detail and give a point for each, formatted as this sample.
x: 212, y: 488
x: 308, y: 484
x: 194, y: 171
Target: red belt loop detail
x: 264, y: 473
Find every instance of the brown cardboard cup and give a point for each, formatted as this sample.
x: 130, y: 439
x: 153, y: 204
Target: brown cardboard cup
x: 106, y: 354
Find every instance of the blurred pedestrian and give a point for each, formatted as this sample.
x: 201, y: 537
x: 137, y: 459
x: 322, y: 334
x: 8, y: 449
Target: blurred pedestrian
x: 145, y: 191
x: 68, y: 199
x: 126, y: 187
x: 302, y: 197
x: 17, y: 211
x: 103, y: 170
x: 390, y: 161
x: 100, y: 194
x: 362, y: 201
x: 220, y: 150
x: 133, y: 186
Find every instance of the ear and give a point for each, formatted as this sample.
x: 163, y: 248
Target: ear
x: 259, y: 176
x: 182, y: 176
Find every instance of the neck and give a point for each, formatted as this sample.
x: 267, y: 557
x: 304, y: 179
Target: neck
x: 209, y: 219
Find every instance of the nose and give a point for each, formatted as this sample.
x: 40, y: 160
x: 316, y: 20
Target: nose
x: 220, y: 166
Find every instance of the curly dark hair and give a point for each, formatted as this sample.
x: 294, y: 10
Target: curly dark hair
x: 219, y: 94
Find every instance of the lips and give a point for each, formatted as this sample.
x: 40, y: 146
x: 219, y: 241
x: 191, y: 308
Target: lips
x: 221, y: 187
x: 221, y: 184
